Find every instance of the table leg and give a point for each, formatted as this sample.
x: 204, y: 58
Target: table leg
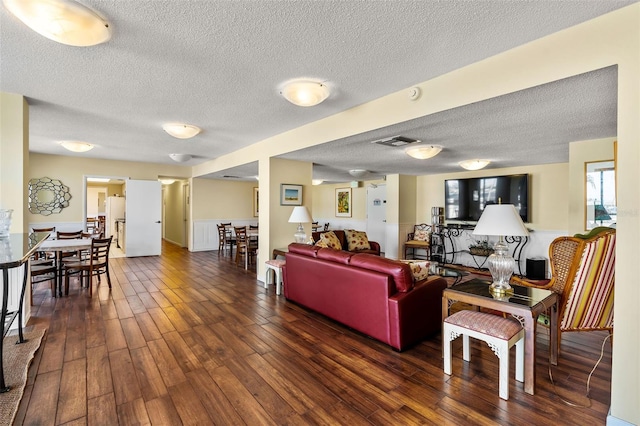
x: 445, y: 314
x: 529, y: 354
x: 554, y: 341
x: 59, y: 279
x: 5, y: 294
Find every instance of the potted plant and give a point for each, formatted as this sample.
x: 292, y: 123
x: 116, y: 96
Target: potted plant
x: 481, y: 248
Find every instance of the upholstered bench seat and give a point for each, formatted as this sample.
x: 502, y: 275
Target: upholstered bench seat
x: 498, y: 332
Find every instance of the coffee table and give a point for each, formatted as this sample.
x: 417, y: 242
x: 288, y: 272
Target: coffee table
x: 525, y: 304
x: 447, y: 272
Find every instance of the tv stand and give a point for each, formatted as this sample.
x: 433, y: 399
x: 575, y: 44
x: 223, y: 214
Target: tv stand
x: 444, y: 246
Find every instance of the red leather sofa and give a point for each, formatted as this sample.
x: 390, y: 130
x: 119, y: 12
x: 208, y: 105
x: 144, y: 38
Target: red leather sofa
x: 375, y: 247
x: 371, y: 294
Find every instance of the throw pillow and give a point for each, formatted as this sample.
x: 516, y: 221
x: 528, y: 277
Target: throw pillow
x: 357, y: 240
x: 419, y: 268
x: 321, y: 244
x: 331, y: 240
x: 421, y: 236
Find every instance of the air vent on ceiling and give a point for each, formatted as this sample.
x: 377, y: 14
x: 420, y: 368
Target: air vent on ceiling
x: 396, y: 141
x: 231, y: 177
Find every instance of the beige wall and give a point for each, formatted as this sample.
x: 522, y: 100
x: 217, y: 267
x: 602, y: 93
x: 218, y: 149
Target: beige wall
x: 324, y: 202
x: 216, y: 199
x: 581, y: 153
x: 72, y: 170
x: 14, y: 158
x: 548, y: 198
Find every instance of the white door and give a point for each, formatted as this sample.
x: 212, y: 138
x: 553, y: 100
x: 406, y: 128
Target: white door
x: 377, y: 214
x: 143, y: 218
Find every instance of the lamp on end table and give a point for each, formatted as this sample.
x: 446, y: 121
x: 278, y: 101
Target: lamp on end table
x: 500, y: 220
x: 300, y: 215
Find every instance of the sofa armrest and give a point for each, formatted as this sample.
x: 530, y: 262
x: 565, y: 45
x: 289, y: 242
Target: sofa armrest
x: 375, y: 246
x: 417, y: 313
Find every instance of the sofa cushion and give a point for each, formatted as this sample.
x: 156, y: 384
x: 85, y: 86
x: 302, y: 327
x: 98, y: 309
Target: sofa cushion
x: 321, y: 244
x: 305, y: 249
x: 400, y: 272
x: 419, y: 268
x: 332, y: 255
x: 356, y: 240
x: 331, y: 240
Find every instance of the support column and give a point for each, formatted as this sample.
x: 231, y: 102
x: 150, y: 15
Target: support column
x: 14, y: 158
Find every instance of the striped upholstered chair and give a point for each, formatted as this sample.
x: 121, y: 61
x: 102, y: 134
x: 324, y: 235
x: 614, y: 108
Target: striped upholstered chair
x: 583, y: 274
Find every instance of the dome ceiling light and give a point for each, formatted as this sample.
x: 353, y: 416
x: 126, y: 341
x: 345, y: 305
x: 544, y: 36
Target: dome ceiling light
x: 316, y: 182
x: 76, y: 146
x: 422, y: 152
x: 180, y: 158
x: 475, y: 164
x: 64, y: 21
x: 181, y: 130
x: 167, y: 181
x: 358, y: 173
x: 304, y: 93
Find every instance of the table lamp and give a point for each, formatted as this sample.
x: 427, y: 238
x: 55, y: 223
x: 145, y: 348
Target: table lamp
x: 300, y: 215
x: 500, y: 220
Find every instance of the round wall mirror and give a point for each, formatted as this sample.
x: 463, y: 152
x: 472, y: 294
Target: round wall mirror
x: 47, y: 196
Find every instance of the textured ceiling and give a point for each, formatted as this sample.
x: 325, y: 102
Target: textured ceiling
x: 218, y: 64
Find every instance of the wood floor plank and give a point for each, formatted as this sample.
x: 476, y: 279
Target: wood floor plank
x: 114, y: 335
x: 169, y: 368
x: 132, y: 333
x: 98, y: 372
x: 73, y: 391
x: 102, y: 410
x: 125, y: 383
x: 149, y: 377
x: 133, y: 413
x: 189, y: 407
x: 162, y: 321
x: 162, y: 411
x: 53, y: 352
x: 148, y: 327
x: 45, y: 392
x: 213, y: 399
x: 185, y: 357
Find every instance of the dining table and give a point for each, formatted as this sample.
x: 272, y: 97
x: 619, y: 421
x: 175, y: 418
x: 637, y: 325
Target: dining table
x: 61, y: 246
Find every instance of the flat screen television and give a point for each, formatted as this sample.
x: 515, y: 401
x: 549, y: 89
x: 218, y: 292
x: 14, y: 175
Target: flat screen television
x: 465, y: 198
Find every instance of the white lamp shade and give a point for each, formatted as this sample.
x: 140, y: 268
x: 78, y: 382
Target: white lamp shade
x: 500, y: 219
x: 305, y: 93
x: 181, y: 130
x: 422, y: 152
x: 64, y: 21
x: 300, y: 214
x: 76, y: 146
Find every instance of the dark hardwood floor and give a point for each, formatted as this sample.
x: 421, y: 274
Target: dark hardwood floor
x: 189, y: 338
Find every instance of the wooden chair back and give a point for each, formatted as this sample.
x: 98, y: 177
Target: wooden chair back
x: 61, y: 235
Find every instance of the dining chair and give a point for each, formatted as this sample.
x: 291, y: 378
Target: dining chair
x: 51, y: 231
x: 96, y: 264
x: 326, y: 226
x: 43, y: 270
x: 244, y: 248
x: 73, y: 235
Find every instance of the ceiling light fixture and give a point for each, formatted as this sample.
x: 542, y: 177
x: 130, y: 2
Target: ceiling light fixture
x: 180, y: 158
x: 304, y: 93
x: 422, y: 152
x: 181, y: 130
x: 475, y: 164
x: 166, y: 181
x: 358, y: 173
x: 94, y: 179
x: 64, y: 21
x: 76, y: 146
x: 316, y: 182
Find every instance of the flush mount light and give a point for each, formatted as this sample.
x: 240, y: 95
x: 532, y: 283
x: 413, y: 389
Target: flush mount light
x: 166, y: 181
x: 317, y: 182
x: 422, y: 152
x: 64, y: 21
x: 304, y: 93
x: 94, y: 179
x: 358, y: 173
x: 475, y: 164
x: 76, y: 146
x: 181, y: 130
x: 180, y: 158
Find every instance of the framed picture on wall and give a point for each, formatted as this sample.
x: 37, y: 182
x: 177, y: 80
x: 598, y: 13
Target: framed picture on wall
x: 290, y: 195
x: 343, y: 202
x: 256, y: 205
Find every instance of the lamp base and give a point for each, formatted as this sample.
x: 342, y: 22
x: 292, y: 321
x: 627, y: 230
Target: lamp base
x: 500, y: 288
x: 300, y: 236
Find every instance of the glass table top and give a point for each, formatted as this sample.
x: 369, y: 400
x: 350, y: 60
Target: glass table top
x: 525, y: 296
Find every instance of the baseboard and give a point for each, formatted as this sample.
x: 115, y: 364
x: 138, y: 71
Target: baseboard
x: 614, y: 421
